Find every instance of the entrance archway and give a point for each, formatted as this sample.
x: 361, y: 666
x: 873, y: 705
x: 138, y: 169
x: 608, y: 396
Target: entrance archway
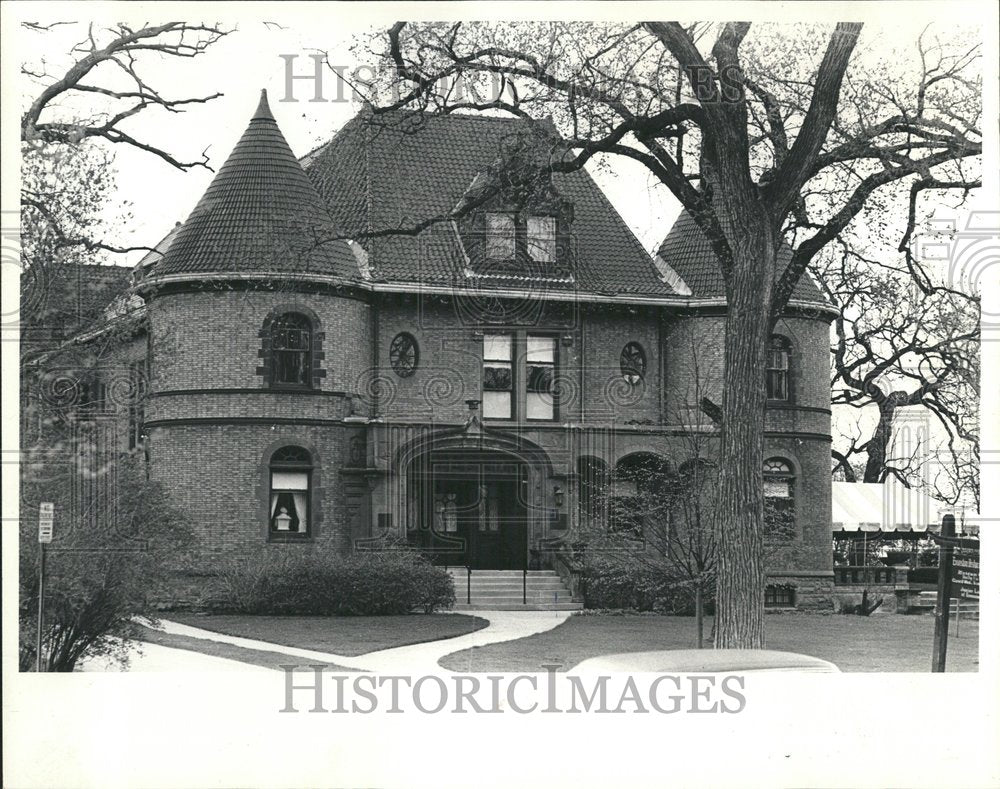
x: 469, y: 506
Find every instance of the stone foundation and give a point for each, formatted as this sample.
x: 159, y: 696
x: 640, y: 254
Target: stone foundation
x: 813, y: 591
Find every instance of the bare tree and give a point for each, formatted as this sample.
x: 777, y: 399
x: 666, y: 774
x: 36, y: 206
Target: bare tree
x: 92, y: 100
x: 899, y: 348
x: 756, y: 136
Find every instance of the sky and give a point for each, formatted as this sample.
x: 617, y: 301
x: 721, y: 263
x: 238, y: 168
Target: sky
x: 256, y: 56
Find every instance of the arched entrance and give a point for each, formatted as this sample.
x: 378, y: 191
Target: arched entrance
x: 469, y: 506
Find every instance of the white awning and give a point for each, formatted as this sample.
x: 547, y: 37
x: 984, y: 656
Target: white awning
x: 886, y: 507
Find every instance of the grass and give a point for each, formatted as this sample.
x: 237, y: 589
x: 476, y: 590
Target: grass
x: 341, y: 635
x: 255, y: 657
x: 888, y: 642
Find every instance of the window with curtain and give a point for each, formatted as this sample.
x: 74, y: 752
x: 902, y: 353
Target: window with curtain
x: 540, y: 369
x: 291, y: 479
x: 542, y: 238
x: 499, y: 236
x: 778, y: 368
x: 498, y: 376
x: 291, y: 350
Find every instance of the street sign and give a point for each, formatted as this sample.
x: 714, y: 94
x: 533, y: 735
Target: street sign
x: 45, y: 516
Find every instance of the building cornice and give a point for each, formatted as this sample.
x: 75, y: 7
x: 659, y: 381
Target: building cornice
x: 679, y: 302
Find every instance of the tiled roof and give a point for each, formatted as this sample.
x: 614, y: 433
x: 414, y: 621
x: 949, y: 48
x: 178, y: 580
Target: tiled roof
x: 687, y: 251
x: 261, y: 213
x: 385, y: 172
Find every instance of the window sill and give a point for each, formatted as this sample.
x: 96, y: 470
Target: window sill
x: 292, y: 537
x: 291, y: 388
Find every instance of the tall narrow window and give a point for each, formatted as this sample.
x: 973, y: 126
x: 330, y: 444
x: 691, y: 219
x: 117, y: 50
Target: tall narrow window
x: 291, y: 350
x: 541, y: 368
x: 138, y: 376
x: 542, y: 238
x: 500, y: 236
x: 776, y: 375
x: 779, y: 499
x: 593, y: 476
x: 498, y: 376
x: 291, y: 478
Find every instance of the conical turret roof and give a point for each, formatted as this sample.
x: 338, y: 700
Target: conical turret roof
x: 261, y: 214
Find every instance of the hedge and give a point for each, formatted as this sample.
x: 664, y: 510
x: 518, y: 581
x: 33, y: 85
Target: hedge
x: 325, y: 584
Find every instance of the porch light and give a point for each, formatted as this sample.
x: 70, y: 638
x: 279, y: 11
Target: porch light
x: 283, y: 520
x: 559, y: 495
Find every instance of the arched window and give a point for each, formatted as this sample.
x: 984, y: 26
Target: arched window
x: 290, y: 492
x: 777, y: 375
x: 779, y: 499
x: 641, y: 495
x: 291, y: 350
x: 694, y: 501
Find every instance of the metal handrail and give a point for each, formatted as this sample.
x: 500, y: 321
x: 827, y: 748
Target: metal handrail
x: 524, y: 586
x: 468, y: 585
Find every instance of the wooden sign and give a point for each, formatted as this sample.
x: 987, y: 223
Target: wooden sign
x: 965, y: 572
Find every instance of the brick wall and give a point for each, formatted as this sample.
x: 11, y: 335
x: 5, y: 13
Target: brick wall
x: 212, y: 339
x: 211, y: 448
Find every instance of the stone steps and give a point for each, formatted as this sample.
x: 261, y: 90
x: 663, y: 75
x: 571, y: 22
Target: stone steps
x: 505, y: 590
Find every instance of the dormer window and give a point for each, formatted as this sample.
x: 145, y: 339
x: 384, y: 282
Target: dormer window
x: 542, y: 238
x: 500, y: 236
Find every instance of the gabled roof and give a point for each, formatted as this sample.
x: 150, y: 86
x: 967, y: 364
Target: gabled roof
x: 260, y: 214
x: 394, y: 170
x: 687, y: 251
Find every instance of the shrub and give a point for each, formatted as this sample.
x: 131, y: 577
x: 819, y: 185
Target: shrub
x: 638, y: 584
x: 101, y: 571
x: 327, y: 584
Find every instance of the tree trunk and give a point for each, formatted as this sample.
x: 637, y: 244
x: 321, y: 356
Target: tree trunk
x: 739, y: 599
x: 699, y: 614
x: 878, y: 446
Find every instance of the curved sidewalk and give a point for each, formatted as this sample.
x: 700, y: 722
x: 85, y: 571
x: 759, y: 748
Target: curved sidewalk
x: 422, y: 658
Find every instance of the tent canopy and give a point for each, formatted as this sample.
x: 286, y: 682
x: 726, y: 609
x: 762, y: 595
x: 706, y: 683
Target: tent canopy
x: 883, y: 509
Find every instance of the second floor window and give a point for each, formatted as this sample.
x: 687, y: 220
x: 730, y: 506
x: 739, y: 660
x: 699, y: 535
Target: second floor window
x: 498, y: 376
x: 500, y: 236
x: 779, y: 500
x: 541, y: 368
x: 542, y: 238
x: 777, y: 372
x: 291, y: 350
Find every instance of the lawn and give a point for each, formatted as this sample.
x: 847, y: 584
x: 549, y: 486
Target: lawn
x: 340, y: 635
x: 887, y: 642
x: 255, y: 657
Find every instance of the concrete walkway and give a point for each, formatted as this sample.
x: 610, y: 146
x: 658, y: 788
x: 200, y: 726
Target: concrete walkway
x: 415, y: 658
x: 153, y: 657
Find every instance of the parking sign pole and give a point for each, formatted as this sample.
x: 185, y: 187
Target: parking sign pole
x: 41, y: 609
x: 46, y: 515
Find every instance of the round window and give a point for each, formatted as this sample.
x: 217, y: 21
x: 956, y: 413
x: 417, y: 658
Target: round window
x: 633, y: 363
x: 404, y: 354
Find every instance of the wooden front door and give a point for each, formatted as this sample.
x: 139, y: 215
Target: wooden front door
x: 474, y: 512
